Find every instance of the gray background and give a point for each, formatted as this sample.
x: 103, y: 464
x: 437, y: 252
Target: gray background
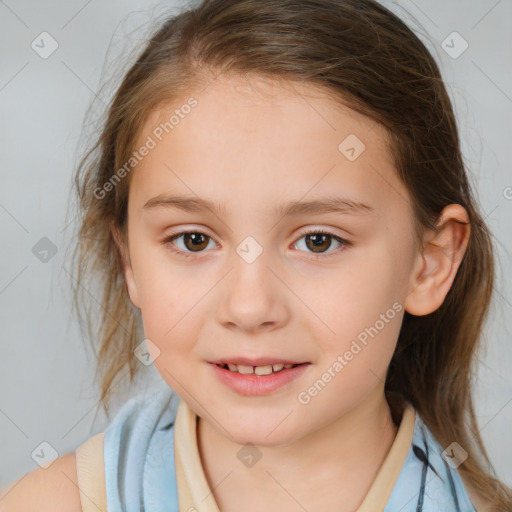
x: 47, y: 390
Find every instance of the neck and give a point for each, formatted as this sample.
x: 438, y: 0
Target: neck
x: 346, y: 453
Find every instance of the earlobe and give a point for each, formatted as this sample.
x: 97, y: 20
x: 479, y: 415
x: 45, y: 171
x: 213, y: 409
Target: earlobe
x: 131, y: 286
x: 129, y: 279
x: 437, y: 265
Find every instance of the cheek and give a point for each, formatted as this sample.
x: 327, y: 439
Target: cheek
x: 166, y: 300
x: 172, y: 325
x: 163, y: 288
x: 362, y: 309
x: 355, y: 297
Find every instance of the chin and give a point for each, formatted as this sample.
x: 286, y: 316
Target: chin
x: 270, y: 433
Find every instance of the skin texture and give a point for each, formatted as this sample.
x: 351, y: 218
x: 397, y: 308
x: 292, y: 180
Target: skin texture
x: 52, y: 489
x: 250, y: 148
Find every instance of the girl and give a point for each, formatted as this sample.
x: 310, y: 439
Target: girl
x: 279, y: 191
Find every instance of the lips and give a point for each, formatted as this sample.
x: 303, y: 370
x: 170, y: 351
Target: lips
x: 260, y: 361
x: 257, y: 380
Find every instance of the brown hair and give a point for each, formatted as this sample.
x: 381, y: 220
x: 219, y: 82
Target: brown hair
x: 367, y: 58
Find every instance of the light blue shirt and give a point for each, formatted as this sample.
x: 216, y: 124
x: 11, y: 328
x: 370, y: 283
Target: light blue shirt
x: 140, y: 473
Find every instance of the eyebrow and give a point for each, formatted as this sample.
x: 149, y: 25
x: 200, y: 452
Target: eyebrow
x: 318, y: 206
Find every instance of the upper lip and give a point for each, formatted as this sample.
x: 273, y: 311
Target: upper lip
x: 259, y: 361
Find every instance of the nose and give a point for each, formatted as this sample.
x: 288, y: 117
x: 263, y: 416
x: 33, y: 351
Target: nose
x: 252, y: 296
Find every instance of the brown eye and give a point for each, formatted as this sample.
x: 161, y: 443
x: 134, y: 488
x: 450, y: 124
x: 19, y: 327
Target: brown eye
x: 193, y: 242
x: 319, y: 242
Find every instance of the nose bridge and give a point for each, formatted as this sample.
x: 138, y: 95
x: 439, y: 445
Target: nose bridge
x: 253, y: 240
x: 251, y: 260
x: 251, y: 291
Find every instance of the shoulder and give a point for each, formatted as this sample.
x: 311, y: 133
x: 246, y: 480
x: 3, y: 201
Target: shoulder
x: 54, y: 489
x: 436, y: 484
x: 464, y: 491
x: 460, y: 489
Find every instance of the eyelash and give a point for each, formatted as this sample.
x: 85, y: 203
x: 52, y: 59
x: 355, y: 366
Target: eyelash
x: 190, y: 255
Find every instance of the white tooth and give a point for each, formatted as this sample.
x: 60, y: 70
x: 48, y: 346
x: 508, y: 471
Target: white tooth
x: 232, y: 367
x: 263, y: 370
x: 277, y: 367
x: 288, y: 366
x: 245, y: 369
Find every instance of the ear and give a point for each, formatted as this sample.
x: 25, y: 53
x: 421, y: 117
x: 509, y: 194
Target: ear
x: 437, y: 264
x: 129, y: 279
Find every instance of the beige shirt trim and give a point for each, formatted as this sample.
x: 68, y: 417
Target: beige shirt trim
x: 194, y: 491
x: 194, y: 494
x: 90, y: 470
x: 385, y: 481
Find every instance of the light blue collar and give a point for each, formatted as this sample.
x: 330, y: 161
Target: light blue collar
x: 140, y: 474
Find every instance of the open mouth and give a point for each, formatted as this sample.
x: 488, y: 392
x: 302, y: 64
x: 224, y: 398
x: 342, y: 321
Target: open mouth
x: 248, y: 380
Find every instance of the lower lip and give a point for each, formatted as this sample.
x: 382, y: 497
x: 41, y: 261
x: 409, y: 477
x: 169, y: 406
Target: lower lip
x: 258, y: 385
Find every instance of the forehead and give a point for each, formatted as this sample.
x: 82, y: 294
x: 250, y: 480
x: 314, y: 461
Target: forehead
x: 265, y: 140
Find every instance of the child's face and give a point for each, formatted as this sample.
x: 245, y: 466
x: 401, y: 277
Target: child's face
x: 337, y: 307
